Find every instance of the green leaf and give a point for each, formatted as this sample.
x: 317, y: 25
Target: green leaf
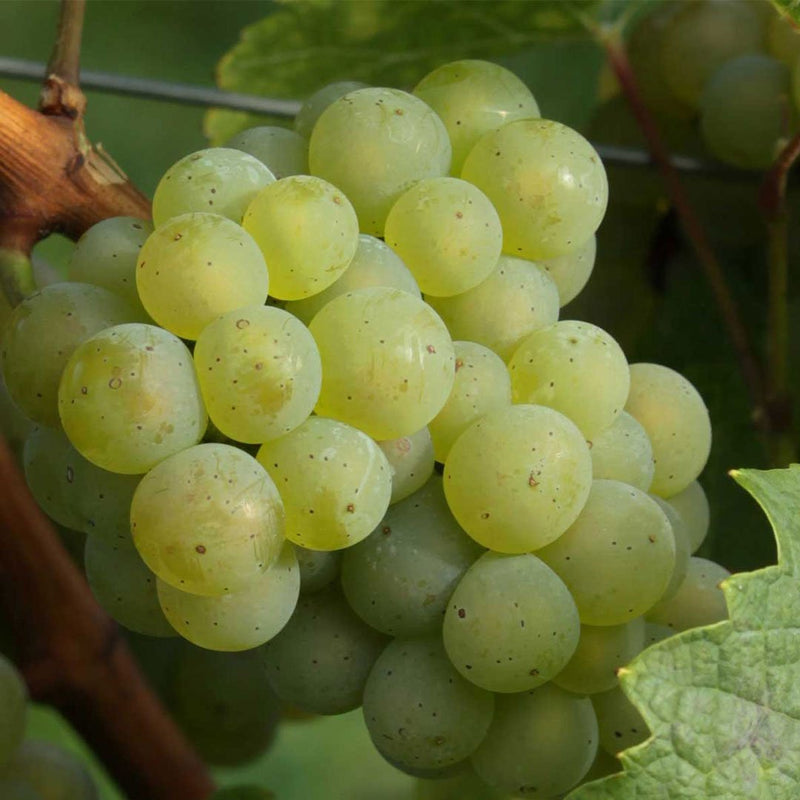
x: 790, y: 8
x: 723, y: 702
x: 305, y: 44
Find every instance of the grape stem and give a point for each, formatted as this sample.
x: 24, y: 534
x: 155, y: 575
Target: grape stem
x: 61, y: 94
x: 749, y: 365
x: 73, y: 657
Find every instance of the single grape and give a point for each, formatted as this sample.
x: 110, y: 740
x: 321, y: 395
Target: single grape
x: 240, y: 620
x: 571, y: 272
x: 320, y: 661
x: 308, y: 232
x: 682, y: 547
x: 196, y: 267
x: 675, y: 418
x: 420, y: 713
x: 474, y: 97
x: 334, y: 481
x: 259, y: 372
x: 401, y: 576
x: 510, y: 624
x: 224, y: 705
x: 783, y: 42
x: 575, y: 368
x: 619, y: 724
x: 374, y: 264
x: 129, y: 398
x: 75, y: 492
x: 374, y: 144
x: 281, y: 150
x: 464, y: 785
x: 515, y: 300
x: 618, y: 555
x: 243, y: 793
x: 208, y: 520
x: 318, y: 568
x: 14, y: 702
x: 518, y: 478
x: 547, y: 183
x: 482, y: 385
x: 699, y: 600
x: 314, y: 105
x: 387, y: 361
x: 653, y: 633
x: 746, y: 111
x: 540, y: 743
x: 52, y: 772
x: 601, y: 651
x: 106, y: 256
x: 622, y: 452
x: 124, y: 586
x: 218, y: 180
x: 448, y: 234
x: 411, y: 460
x: 692, y: 504
x: 43, y: 332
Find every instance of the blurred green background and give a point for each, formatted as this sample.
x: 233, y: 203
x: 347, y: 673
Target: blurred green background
x: 647, y: 289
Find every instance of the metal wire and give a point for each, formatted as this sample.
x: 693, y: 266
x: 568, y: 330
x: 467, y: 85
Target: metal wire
x: 206, y: 96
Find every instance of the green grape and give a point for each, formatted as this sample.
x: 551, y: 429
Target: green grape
x: 281, y: 150
x: 318, y: 568
x: 374, y: 144
x: 308, y: 232
x: 474, y: 97
x: 420, y: 713
x: 654, y: 633
x: 208, y: 520
x: 243, y: 793
x: 547, y: 183
x: 575, y: 368
x: 15, y: 427
x: 106, y: 256
x: 156, y: 657
x: 700, y: 37
x: 124, y: 586
x: 604, y: 764
x: 13, y: 788
x: 374, y: 264
x: 540, y: 743
x: 14, y: 702
x: 601, y: 651
x: 240, y: 620
x: 129, y: 398
x: 698, y: 601
x: 619, y: 724
x: 571, y: 272
x: 387, y: 361
x: 622, y: 452
x: 518, y: 478
x: 617, y: 557
x: 224, y: 705
x: 259, y: 372
x: 334, y: 480
x: 515, y: 300
x: 783, y: 40
x: 682, y: 547
x: 311, y: 109
x: 401, y: 576
x: 320, y: 661
x: 675, y: 418
x: 692, y: 504
x: 466, y: 785
x: 219, y: 180
x: 510, y: 624
x: 644, y: 52
x: 746, y: 111
x: 411, y: 460
x: 52, y: 772
x: 482, y: 385
x: 448, y: 234
x: 196, y: 267
x: 75, y: 492
x: 41, y: 335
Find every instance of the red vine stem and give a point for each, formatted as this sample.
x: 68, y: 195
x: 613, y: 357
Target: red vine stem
x: 734, y: 325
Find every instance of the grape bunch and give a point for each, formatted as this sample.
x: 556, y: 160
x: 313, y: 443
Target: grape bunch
x: 322, y: 416
x: 734, y: 67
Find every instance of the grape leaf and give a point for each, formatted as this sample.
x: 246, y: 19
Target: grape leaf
x: 790, y: 8
x: 723, y: 702
x: 305, y: 44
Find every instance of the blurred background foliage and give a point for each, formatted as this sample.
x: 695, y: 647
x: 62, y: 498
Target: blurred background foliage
x: 647, y: 289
